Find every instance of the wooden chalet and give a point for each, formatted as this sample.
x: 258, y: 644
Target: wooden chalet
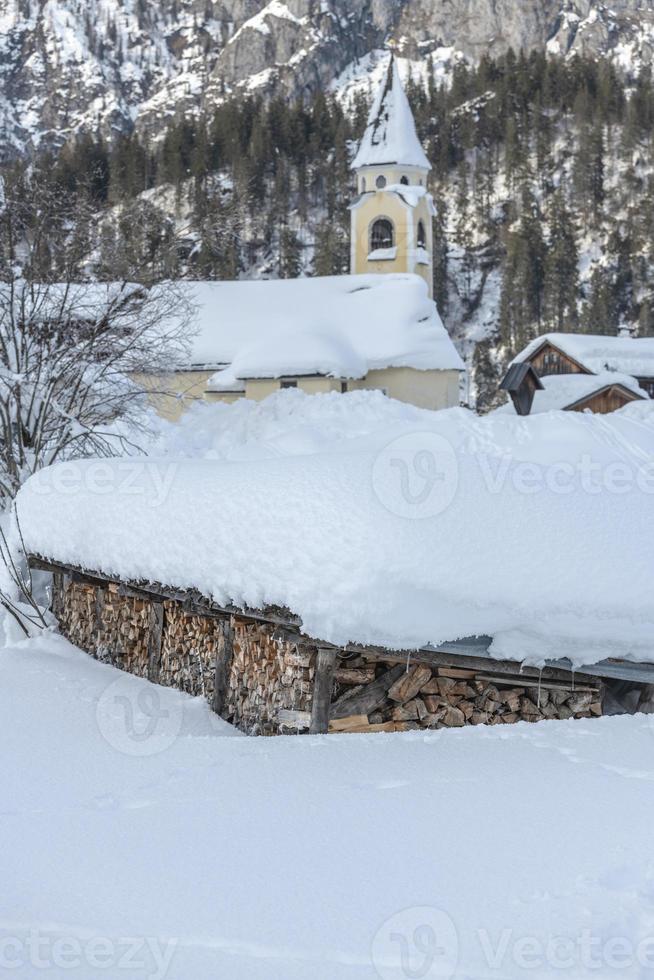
x: 623, y: 367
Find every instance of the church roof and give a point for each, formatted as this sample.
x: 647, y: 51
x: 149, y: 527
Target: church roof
x: 339, y: 326
x: 390, y: 135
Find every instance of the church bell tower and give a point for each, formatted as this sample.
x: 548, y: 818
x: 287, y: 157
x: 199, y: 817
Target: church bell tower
x: 392, y: 213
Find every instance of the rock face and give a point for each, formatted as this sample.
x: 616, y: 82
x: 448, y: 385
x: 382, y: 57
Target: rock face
x: 106, y: 65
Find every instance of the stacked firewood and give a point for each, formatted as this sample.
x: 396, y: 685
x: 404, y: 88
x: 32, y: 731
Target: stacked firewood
x: 270, y: 682
x: 382, y: 697
x: 111, y: 627
x: 188, y: 651
x: 267, y: 679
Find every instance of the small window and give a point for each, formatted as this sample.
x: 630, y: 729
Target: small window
x: 343, y: 387
x: 422, y: 235
x: 380, y: 182
x: 405, y: 181
x: 363, y: 185
x: 382, y: 235
x: 288, y: 384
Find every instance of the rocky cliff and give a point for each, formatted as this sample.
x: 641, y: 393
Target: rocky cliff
x: 106, y: 65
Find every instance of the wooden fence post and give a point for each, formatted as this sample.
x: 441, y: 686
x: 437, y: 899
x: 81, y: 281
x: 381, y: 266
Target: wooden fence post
x: 323, y: 685
x: 155, y: 641
x: 224, y: 656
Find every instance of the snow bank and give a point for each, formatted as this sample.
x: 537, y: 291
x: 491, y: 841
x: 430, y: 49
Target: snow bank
x: 560, y: 391
x: 381, y: 523
x: 342, y: 326
x: 127, y: 814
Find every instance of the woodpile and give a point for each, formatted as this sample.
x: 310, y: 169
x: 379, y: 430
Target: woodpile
x: 270, y: 683
x: 405, y: 697
x: 188, y: 651
x: 110, y: 627
x: 263, y: 682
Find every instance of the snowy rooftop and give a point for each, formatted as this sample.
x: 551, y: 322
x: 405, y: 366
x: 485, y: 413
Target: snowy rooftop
x: 628, y: 355
x: 390, y: 136
x: 377, y: 522
x: 341, y: 326
x: 561, y: 391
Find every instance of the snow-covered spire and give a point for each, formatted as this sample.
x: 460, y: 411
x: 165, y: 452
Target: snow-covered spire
x: 390, y: 136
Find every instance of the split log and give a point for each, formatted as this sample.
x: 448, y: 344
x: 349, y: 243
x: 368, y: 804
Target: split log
x: 370, y: 698
x: 409, y: 684
x: 350, y: 724
x: 354, y: 675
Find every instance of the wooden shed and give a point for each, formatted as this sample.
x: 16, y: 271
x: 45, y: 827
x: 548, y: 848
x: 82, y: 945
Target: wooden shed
x: 259, y: 671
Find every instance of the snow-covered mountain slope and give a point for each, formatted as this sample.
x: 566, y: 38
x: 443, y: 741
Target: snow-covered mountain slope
x: 107, y: 64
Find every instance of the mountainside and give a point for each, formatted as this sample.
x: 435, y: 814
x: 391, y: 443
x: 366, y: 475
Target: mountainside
x: 106, y: 65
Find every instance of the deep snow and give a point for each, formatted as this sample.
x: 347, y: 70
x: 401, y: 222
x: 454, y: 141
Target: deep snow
x: 376, y: 522
x: 131, y: 827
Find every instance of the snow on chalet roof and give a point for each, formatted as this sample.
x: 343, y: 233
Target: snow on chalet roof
x: 561, y: 391
x: 316, y: 504
x: 340, y: 326
x: 390, y: 136
x: 628, y: 355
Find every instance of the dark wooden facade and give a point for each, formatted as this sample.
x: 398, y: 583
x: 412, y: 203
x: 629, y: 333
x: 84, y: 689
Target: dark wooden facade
x: 548, y: 360
x: 607, y: 400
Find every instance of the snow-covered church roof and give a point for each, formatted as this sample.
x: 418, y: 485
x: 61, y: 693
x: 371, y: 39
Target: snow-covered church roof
x: 339, y: 326
x: 628, y: 355
x: 390, y: 135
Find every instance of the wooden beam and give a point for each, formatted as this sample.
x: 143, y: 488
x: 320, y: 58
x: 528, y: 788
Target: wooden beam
x: 322, y: 690
x: 471, y: 653
x: 155, y: 640
x: 369, y: 698
x: 224, y: 657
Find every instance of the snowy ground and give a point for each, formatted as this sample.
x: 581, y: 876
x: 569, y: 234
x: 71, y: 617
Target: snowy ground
x: 139, y: 841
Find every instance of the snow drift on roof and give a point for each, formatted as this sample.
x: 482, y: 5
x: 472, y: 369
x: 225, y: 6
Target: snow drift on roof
x: 342, y: 326
x: 422, y: 526
x: 390, y: 136
x: 629, y: 355
x: 560, y: 391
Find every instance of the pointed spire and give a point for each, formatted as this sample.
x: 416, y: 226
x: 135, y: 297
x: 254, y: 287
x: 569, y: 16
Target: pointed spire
x: 390, y: 136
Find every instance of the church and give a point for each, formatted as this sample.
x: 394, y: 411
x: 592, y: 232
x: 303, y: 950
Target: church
x: 377, y: 328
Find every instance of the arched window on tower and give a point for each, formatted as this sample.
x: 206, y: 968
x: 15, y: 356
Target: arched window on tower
x: 382, y: 235
x: 405, y: 181
x: 422, y: 235
x: 363, y: 185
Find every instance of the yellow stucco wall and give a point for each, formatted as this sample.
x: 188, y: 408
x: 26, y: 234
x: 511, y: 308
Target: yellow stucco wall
x: 172, y: 395
x: 382, y: 204
x: 426, y: 389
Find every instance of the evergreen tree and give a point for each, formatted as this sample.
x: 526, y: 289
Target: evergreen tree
x: 561, y: 282
x: 290, y: 254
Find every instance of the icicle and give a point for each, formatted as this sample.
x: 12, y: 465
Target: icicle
x: 540, y: 680
x: 408, y: 661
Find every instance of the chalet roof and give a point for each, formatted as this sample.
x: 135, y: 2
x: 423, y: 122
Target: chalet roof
x: 516, y: 375
x: 339, y: 326
x: 628, y: 355
x: 390, y: 136
x: 559, y: 392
